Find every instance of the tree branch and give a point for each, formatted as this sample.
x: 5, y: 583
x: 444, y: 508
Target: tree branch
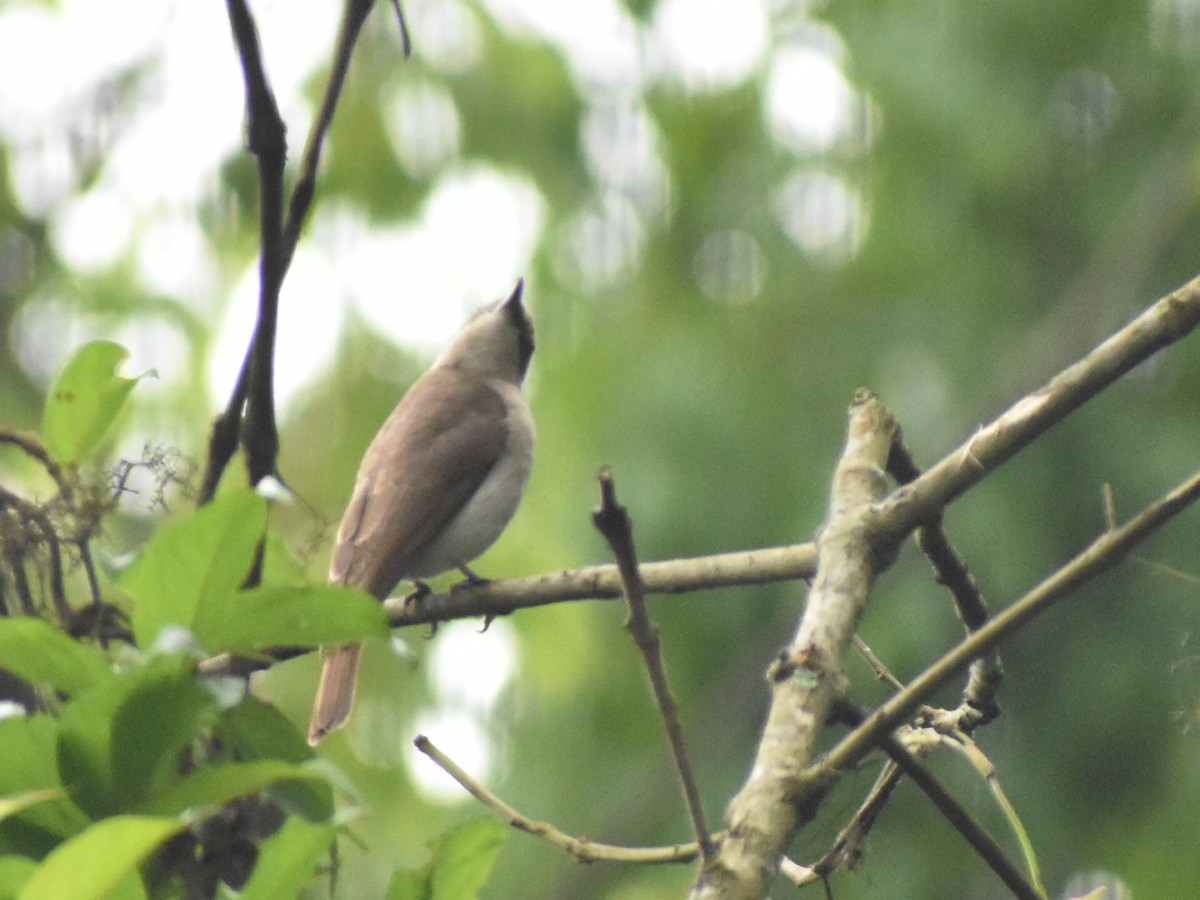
x: 612, y: 521
x: 581, y: 848
x: 1163, y: 323
x: 1101, y: 555
x: 807, y: 678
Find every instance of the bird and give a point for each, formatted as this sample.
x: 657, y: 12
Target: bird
x: 439, y: 482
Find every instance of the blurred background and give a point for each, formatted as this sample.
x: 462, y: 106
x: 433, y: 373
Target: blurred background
x: 729, y: 217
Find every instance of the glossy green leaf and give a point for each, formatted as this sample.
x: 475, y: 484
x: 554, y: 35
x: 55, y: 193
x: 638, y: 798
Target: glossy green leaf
x: 84, y: 400
x: 408, y: 884
x: 14, y: 872
x: 96, y: 862
x: 41, y: 654
x: 27, y: 767
x: 192, y: 560
x: 287, y: 860
x: 288, y: 616
x: 119, y: 743
x: 255, y: 730
x: 463, y: 858
x: 11, y: 804
x: 218, y: 784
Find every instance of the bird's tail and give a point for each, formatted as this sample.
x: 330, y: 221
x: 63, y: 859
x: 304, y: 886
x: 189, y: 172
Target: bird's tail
x: 335, y: 696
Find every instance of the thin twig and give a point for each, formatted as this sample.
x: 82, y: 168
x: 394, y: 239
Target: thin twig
x: 32, y: 446
x: 1099, y: 556
x: 583, y: 849
x: 354, y: 16
x: 847, y: 847
x: 34, y: 515
x: 989, y: 851
x: 612, y: 521
x: 882, y: 672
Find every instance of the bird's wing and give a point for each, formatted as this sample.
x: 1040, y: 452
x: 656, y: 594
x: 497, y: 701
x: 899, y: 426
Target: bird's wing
x: 423, y: 466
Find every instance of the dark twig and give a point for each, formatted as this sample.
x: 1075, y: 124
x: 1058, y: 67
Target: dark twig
x: 989, y: 851
x: 612, y: 521
x: 34, y: 515
x: 32, y: 447
x: 847, y: 847
x: 581, y: 848
x: 985, y: 675
x: 354, y: 15
x: 254, y: 393
x: 266, y: 140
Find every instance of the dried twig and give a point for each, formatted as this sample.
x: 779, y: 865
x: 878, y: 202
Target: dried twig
x: 581, y: 848
x: 989, y: 851
x: 612, y: 521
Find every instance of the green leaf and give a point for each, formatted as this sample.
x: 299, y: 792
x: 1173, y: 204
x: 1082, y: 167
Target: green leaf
x: 84, y: 401
x: 96, y: 862
x: 254, y: 730
x: 121, y: 742
x: 463, y: 859
x: 192, y: 560
x: 288, y: 616
x: 41, y: 654
x: 27, y: 766
x: 287, y: 860
x: 408, y: 884
x: 14, y: 872
x: 218, y: 784
x: 12, y: 804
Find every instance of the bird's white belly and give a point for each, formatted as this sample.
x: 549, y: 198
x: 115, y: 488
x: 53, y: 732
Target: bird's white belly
x: 480, y: 522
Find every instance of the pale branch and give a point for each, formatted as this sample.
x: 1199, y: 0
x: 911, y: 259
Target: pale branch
x: 1160, y: 325
x: 612, y: 521
x: 807, y: 678
x: 581, y: 848
x: 1101, y: 555
x: 602, y: 582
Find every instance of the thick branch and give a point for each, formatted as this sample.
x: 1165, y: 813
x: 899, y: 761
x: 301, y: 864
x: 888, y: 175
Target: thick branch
x: 807, y: 678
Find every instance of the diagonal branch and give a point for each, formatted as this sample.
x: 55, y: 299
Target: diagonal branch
x: 1163, y: 323
x: 612, y: 521
x: 1101, y: 555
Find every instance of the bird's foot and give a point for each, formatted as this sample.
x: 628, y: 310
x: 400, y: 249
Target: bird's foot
x: 417, y: 594
x: 471, y: 578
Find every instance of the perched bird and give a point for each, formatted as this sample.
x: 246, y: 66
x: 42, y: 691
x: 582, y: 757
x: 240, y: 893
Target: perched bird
x: 440, y: 480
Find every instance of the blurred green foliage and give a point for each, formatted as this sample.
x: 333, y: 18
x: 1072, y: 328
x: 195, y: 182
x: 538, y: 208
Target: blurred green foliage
x: 1021, y: 180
